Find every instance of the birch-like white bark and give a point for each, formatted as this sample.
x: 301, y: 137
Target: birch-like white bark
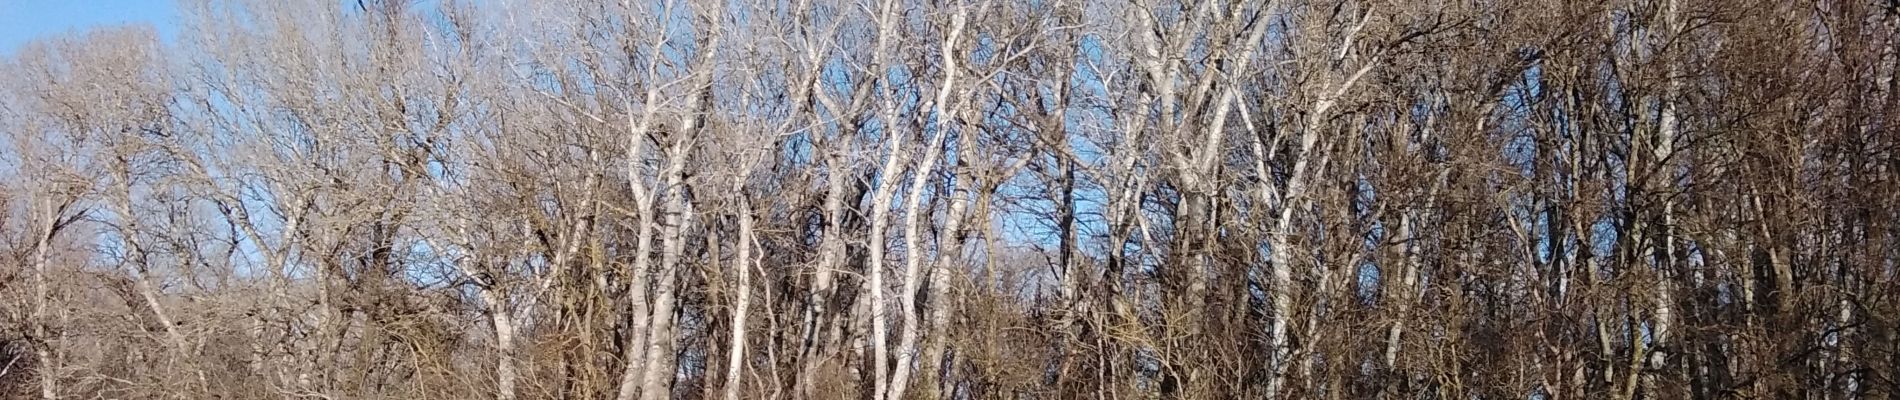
x: 634, y: 354
x: 881, y: 199
x: 657, y: 384
x: 913, y: 225
x: 128, y: 229
x: 736, y: 356
x: 503, y: 321
x: 1281, y: 238
x: 658, y: 373
x: 1662, y: 317
x: 43, y: 238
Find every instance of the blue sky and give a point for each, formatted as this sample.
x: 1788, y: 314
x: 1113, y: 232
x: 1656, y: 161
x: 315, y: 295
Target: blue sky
x: 22, y: 21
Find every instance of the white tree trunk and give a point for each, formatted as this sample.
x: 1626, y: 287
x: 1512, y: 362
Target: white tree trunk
x: 633, y: 355
x: 1401, y: 294
x: 43, y: 238
x: 503, y: 322
x: 874, y: 286
x: 1281, y: 239
x: 657, y: 376
x: 1663, y: 316
x: 881, y: 201
x: 914, y: 254
x: 831, y: 250
x: 735, y: 362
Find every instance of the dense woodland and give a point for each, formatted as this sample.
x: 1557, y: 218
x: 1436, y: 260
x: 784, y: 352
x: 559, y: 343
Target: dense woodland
x: 957, y: 199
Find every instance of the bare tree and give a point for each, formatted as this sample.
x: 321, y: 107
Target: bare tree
x: 958, y: 199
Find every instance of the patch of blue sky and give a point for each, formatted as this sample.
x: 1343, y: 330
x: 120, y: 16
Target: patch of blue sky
x: 22, y: 21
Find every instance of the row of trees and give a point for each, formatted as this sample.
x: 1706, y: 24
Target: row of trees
x: 960, y: 199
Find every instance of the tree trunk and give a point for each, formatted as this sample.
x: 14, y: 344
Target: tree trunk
x: 43, y: 237
x: 736, y: 357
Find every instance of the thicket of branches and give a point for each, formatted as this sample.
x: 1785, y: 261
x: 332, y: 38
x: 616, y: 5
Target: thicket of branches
x: 957, y: 199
